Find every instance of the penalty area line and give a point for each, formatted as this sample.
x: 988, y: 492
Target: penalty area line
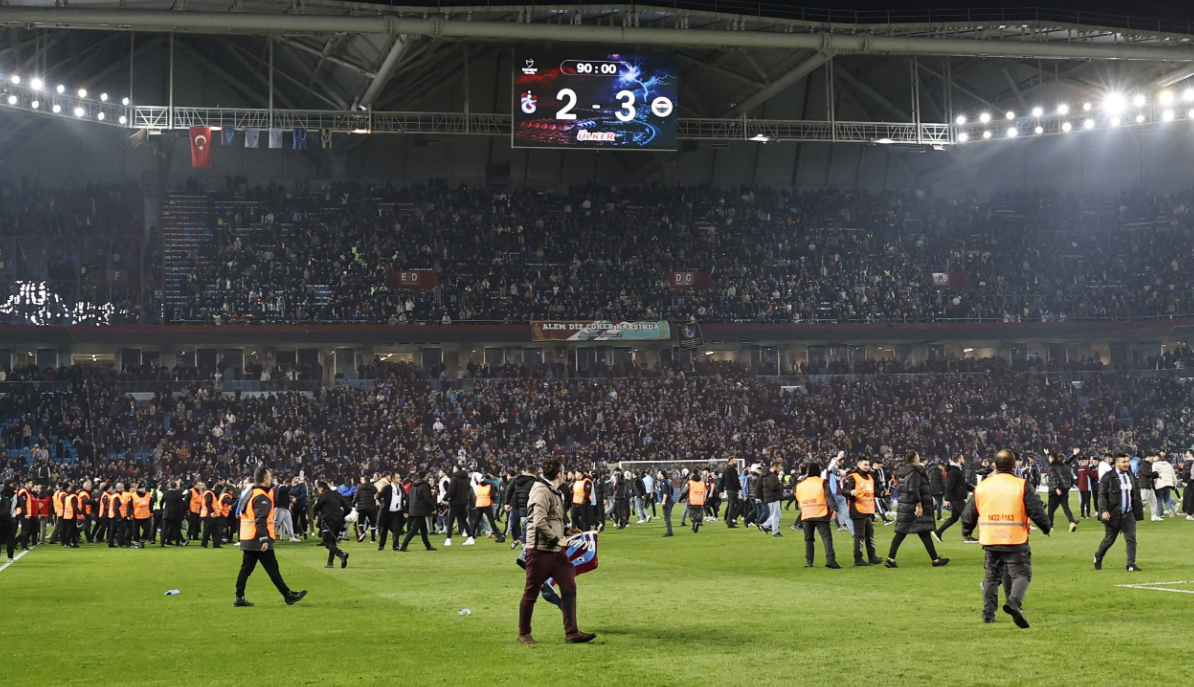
x: 1154, y: 586
x: 15, y: 558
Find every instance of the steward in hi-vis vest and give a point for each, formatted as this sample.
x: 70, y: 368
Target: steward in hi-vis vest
x: 695, y: 491
x: 859, y: 490
x: 1001, y: 508
x: 255, y: 510
x: 816, y: 503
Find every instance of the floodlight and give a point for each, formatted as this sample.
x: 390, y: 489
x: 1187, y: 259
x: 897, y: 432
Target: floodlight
x: 1139, y: 100
x: 1010, y: 115
x: 61, y: 88
x: 1188, y: 95
x: 1139, y: 119
x: 1086, y: 107
x: 104, y: 97
x: 1115, y: 121
x: 1166, y: 97
x: 100, y: 116
x: 37, y: 84
x: 12, y: 100
x: 986, y: 134
x: 1088, y: 124
x: 125, y: 102
x: 963, y: 137
x: 1065, y: 126
x: 15, y: 79
x: 123, y: 119
x: 82, y: 92
x: 1012, y: 132
x: 984, y: 117
x: 35, y: 104
x: 1038, y: 111
x: 1063, y: 109
x: 1167, y: 115
x: 1114, y: 103
x: 57, y: 108
x: 1040, y: 129
x: 961, y: 120
x: 79, y: 112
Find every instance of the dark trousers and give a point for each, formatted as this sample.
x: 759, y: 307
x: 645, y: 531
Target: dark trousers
x: 329, y: 537
x: 580, y: 516
x: 667, y: 515
x: 733, y: 505
x: 142, y: 528
x: 822, y: 527
x: 1085, y: 503
x: 391, y: 524
x: 1126, y: 525
x: 416, y: 525
x: 514, y: 520
x: 939, y: 504
x: 193, y: 526
x: 622, y: 512
x: 213, y: 530
x: 542, y: 565
x: 28, y: 532
x: 69, y: 536
x: 367, y: 518
x: 299, y: 515
x: 924, y: 539
x: 171, y: 531
x: 864, y: 537
x: 1064, y: 502
x: 1010, y: 569
x: 268, y: 561
x: 8, y: 536
x: 955, y: 514
x: 457, y: 514
x: 101, y: 530
x: 124, y: 531
x: 486, y: 512
x: 56, y: 533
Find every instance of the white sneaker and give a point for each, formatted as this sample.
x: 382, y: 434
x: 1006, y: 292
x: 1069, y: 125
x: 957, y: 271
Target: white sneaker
x: 649, y: 519
x: 640, y: 522
x: 448, y: 541
x: 468, y: 542
x: 294, y: 540
x: 1156, y: 519
x: 1188, y: 517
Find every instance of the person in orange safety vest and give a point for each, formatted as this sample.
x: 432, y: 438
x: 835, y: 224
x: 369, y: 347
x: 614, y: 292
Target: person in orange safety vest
x: 1001, y: 508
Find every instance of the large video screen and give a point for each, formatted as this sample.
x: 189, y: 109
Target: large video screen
x: 565, y: 100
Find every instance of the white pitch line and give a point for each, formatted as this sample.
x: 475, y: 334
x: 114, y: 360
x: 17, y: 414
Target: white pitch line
x: 16, y: 558
x: 1155, y: 586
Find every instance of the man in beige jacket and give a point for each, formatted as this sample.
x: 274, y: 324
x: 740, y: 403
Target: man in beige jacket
x: 545, y: 555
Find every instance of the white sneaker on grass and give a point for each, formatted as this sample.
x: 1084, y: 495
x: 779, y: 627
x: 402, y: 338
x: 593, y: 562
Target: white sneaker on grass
x: 448, y: 541
x: 294, y: 540
x: 468, y: 542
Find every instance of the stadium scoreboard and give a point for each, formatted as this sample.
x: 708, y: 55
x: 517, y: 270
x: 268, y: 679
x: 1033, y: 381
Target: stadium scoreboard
x: 616, y: 101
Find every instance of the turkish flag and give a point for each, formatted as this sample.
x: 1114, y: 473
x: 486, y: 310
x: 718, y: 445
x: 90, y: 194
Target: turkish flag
x: 200, y: 147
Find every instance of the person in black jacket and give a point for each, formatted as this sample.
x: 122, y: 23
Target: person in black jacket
x: 365, y: 502
x: 173, y: 511
x: 517, y: 492
x: 914, y: 512
x: 391, y: 515
x: 956, y: 492
x: 1120, y: 508
x: 331, y: 508
x: 1061, y: 478
x: 8, y: 519
x: 771, y: 494
x: 937, y: 488
x: 420, y: 504
x: 459, y: 497
x: 729, y: 485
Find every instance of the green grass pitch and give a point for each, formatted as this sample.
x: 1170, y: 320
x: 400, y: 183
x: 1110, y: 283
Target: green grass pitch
x: 720, y: 608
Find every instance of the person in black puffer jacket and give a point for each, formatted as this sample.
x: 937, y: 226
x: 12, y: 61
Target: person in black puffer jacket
x: 914, y: 513
x: 1061, y: 478
x: 516, y: 503
x: 420, y: 505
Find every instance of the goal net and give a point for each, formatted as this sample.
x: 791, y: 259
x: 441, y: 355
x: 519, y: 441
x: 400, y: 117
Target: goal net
x: 676, y: 468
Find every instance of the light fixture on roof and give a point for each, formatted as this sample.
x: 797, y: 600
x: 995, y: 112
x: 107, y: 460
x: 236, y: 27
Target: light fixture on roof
x: 757, y: 137
x: 37, y: 84
x: 1138, y: 100
x: 1066, y: 126
x: 79, y: 112
x: 961, y: 120
x: 1114, y: 103
x: 1039, y: 129
x: 123, y: 119
x: 1115, y: 121
x: 57, y: 108
x: 104, y: 97
x: 1012, y: 132
x: 1166, y: 97
x: 884, y: 141
x: 1086, y: 107
x: 61, y: 89
x: 1188, y: 95
x: 82, y: 92
x: 1038, y: 111
x: 1010, y: 115
x: 986, y: 134
x: 1088, y: 124
x: 125, y: 102
x: 12, y: 100
x: 984, y: 117
x: 35, y: 104
x: 16, y: 80
x: 100, y: 116
x: 1140, y: 119
x: 963, y: 137
x: 1167, y: 115
x: 1063, y: 109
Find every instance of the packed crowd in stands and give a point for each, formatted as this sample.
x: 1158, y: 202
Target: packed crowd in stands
x: 406, y: 421
x: 303, y: 254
